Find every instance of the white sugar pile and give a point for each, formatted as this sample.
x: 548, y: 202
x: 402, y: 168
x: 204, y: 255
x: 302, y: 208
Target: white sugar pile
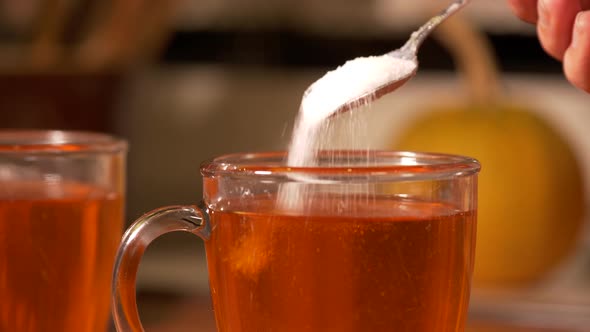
x: 354, y: 79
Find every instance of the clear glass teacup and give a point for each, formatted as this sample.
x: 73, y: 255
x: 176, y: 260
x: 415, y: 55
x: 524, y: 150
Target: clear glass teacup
x: 62, y: 198
x: 366, y: 241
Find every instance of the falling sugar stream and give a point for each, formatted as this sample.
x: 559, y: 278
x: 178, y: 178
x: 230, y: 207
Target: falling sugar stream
x: 311, y: 134
x: 363, y: 79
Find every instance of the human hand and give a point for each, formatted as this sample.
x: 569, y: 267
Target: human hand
x: 563, y: 27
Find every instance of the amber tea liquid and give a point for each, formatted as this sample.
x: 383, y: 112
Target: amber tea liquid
x: 377, y: 266
x: 57, y: 248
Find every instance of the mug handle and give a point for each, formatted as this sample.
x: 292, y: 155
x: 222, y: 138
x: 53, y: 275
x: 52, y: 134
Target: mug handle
x: 140, y: 234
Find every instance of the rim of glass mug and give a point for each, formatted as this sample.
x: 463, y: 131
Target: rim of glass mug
x: 361, y: 165
x: 16, y: 141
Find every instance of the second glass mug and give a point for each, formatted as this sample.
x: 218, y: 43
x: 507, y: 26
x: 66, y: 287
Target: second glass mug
x: 366, y: 241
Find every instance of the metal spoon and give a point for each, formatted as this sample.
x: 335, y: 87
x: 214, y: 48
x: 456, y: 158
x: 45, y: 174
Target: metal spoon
x: 407, y: 52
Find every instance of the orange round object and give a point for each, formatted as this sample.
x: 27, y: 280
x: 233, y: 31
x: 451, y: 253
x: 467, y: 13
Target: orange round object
x: 531, y: 202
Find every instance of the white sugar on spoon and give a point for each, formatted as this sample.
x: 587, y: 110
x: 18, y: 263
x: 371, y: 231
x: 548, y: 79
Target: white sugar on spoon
x: 356, y: 83
x: 357, y: 77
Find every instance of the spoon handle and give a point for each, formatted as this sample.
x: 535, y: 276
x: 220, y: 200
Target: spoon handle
x: 410, y: 49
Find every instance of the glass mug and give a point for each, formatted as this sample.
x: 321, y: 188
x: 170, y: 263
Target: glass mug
x: 61, y: 220
x: 366, y: 241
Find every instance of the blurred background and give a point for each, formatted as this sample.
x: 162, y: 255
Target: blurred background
x: 186, y: 80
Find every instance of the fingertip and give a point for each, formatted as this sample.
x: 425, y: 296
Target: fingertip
x: 526, y: 10
x: 583, y: 20
x: 577, y: 58
x: 556, y: 19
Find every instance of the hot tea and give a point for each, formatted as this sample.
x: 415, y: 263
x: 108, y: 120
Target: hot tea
x: 57, y: 246
x: 373, y: 266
